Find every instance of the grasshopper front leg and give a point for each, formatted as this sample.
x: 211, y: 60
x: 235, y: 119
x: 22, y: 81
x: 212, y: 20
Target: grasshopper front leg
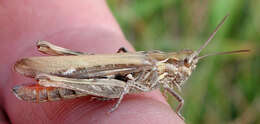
x: 178, y: 97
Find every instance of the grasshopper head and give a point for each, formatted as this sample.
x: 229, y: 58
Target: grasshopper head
x: 181, y: 64
x: 185, y: 61
x: 188, y: 58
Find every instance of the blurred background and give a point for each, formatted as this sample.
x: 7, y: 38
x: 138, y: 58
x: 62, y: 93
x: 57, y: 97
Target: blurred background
x: 224, y: 88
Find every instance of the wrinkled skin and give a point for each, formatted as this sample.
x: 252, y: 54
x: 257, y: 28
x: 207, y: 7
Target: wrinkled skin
x: 83, y: 25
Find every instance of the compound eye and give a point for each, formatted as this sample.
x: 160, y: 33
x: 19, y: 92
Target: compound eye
x: 186, y: 62
x: 172, y: 61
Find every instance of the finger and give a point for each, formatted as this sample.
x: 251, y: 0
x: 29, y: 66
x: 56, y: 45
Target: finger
x: 91, y: 38
x: 84, y: 110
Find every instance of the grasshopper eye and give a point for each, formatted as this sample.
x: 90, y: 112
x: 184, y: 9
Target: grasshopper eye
x: 187, y: 62
x: 172, y: 61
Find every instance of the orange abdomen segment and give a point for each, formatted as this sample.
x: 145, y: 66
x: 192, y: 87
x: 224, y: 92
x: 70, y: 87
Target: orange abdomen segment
x: 38, y: 93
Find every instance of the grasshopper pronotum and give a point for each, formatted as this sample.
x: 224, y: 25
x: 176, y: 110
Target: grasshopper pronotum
x: 70, y: 74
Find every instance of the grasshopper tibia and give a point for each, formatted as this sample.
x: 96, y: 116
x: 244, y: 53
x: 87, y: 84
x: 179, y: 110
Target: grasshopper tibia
x: 125, y: 91
x: 178, y: 98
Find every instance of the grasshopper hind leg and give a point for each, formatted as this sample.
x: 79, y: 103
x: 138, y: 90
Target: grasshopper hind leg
x: 51, y: 49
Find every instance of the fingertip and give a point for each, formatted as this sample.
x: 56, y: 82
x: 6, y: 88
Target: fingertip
x: 133, y: 109
x: 139, y: 110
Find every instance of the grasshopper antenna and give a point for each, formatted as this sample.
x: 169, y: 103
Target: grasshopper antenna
x: 223, y: 53
x: 212, y: 35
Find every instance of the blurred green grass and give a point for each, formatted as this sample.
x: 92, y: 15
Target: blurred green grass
x: 223, y: 89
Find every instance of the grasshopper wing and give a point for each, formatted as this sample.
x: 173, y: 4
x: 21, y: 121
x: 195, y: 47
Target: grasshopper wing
x: 84, y: 66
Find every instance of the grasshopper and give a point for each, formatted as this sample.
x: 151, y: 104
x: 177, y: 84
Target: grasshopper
x: 68, y: 74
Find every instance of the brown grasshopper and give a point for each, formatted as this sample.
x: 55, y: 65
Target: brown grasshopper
x: 69, y: 74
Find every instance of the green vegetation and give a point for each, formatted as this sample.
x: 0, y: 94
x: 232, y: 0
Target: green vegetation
x: 223, y: 89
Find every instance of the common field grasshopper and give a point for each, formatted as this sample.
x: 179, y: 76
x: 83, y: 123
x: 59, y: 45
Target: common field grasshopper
x: 69, y: 74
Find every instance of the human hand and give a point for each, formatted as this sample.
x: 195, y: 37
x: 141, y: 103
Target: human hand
x: 85, y: 25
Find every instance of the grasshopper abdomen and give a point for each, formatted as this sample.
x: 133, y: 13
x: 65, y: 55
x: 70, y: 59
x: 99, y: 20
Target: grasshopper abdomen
x: 37, y: 93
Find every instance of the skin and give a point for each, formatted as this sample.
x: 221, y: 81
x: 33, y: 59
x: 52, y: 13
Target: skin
x: 84, y: 25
